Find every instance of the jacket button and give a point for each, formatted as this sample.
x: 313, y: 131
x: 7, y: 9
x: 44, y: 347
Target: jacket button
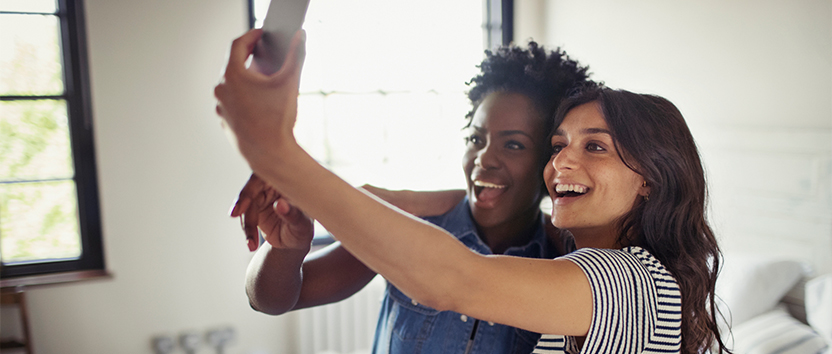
x: 413, y: 302
x: 463, y: 318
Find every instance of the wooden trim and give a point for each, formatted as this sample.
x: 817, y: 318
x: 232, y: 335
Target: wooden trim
x: 16, y: 297
x: 54, y: 278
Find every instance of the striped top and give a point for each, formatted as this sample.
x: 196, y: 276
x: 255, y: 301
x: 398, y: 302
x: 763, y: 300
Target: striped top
x: 637, y: 306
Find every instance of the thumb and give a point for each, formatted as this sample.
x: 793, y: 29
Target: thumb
x: 289, y: 212
x: 241, y: 48
x: 282, y: 207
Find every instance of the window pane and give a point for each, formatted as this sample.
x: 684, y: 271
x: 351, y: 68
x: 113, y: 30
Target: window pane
x: 418, y: 147
x: 389, y: 45
x: 38, y: 221
x: 383, y: 98
x: 34, y: 140
x: 261, y: 7
x: 30, y: 62
x: 42, y: 6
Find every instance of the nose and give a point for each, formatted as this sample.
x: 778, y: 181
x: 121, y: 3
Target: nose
x: 564, y: 160
x: 487, y: 157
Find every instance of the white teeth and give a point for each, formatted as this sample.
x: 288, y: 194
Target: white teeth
x: 563, y: 188
x: 488, y: 185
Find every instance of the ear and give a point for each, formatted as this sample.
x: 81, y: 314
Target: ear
x: 644, y: 190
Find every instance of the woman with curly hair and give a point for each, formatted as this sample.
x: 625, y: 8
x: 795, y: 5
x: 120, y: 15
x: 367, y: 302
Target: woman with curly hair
x: 512, y: 100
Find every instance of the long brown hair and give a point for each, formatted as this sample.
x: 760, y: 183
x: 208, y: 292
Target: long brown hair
x: 653, y: 140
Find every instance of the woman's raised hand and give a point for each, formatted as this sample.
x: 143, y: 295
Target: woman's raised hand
x: 261, y: 206
x: 259, y: 111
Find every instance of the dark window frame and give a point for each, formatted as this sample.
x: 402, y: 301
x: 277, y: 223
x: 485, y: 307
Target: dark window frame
x: 77, y: 95
x: 498, y: 22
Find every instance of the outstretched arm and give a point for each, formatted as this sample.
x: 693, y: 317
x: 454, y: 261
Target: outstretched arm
x: 548, y: 296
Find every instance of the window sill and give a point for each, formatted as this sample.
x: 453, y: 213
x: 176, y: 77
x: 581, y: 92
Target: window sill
x: 55, y: 278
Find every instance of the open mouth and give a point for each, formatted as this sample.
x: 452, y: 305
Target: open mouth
x: 487, y: 190
x: 563, y: 190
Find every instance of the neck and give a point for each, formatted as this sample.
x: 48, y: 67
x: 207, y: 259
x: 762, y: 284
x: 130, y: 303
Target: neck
x: 501, y: 237
x: 598, y: 237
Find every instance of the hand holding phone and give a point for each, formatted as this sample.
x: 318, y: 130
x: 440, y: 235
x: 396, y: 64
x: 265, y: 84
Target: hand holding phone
x: 283, y: 19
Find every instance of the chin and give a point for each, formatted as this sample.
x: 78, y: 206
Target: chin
x: 562, y: 223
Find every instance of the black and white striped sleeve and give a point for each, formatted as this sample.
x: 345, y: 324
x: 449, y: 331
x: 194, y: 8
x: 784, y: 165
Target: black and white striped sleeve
x: 636, y: 302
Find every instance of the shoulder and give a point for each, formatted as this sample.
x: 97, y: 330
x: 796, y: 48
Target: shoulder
x: 634, y: 279
x: 623, y: 261
x: 456, y: 221
x: 595, y: 260
x: 629, y: 274
x: 633, y: 269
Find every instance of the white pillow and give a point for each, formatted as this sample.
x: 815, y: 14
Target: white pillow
x: 749, y: 284
x: 776, y: 332
x: 819, y: 306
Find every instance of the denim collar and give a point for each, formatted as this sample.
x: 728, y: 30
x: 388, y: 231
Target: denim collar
x: 459, y: 222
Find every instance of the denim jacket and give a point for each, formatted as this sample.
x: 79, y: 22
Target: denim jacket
x: 405, y: 326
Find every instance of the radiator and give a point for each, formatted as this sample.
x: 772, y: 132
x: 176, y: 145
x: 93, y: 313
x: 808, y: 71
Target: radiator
x: 346, y: 327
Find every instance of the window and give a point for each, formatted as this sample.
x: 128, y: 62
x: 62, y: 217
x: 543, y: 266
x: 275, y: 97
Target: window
x: 383, y: 87
x: 49, y: 212
x: 498, y: 22
x: 383, y: 94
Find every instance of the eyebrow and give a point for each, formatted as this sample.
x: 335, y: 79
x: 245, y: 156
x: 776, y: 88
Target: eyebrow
x: 587, y: 131
x: 505, y: 132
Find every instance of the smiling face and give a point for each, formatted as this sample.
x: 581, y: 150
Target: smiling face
x: 590, y: 186
x: 501, y: 162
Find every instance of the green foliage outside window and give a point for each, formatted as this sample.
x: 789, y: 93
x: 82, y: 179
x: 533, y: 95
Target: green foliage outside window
x: 38, y: 202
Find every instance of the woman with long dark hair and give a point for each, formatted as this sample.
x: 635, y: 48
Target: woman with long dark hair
x: 624, y: 178
x: 652, y: 139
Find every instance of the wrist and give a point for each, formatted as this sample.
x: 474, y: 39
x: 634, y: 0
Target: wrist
x: 299, y: 250
x: 272, y: 159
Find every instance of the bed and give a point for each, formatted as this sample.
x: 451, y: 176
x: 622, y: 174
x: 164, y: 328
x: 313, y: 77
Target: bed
x: 774, y: 305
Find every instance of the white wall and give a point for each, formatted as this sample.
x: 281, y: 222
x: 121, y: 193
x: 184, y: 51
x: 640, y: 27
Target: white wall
x: 753, y: 79
x: 167, y: 178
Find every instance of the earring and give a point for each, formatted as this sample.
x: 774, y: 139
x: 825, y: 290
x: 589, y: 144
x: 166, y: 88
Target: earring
x: 646, y: 197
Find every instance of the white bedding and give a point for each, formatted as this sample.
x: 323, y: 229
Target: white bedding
x: 749, y: 291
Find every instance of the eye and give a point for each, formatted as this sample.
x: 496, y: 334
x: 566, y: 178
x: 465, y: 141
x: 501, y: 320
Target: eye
x: 556, y: 149
x: 473, y: 139
x: 513, y: 145
x: 593, y: 147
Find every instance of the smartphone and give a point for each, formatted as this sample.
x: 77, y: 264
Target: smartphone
x: 283, y: 19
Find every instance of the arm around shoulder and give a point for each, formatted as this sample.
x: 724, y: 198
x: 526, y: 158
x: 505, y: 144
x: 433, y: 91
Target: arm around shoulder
x: 419, y: 203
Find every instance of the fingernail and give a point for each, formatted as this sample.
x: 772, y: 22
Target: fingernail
x: 252, y: 245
